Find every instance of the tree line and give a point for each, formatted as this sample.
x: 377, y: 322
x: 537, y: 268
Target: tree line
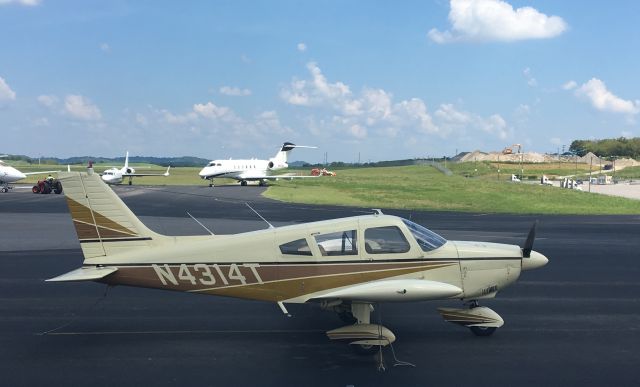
x: 609, y: 147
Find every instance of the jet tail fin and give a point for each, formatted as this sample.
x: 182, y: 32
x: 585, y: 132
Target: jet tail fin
x: 286, y: 148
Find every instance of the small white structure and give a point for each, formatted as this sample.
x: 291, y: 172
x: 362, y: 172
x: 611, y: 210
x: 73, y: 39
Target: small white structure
x: 604, y: 179
x: 570, y: 184
x: 544, y: 180
x: 515, y: 179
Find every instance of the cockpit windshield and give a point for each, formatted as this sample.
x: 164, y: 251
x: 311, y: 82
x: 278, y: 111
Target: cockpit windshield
x: 427, y: 239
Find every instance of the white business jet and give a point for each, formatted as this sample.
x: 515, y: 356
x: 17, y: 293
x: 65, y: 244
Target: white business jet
x: 253, y: 169
x: 9, y: 174
x: 117, y: 175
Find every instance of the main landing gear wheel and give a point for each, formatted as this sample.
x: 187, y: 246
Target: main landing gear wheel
x: 483, y: 331
x: 243, y: 183
x: 4, y: 190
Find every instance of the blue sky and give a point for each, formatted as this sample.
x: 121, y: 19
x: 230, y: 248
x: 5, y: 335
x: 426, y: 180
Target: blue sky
x: 383, y: 80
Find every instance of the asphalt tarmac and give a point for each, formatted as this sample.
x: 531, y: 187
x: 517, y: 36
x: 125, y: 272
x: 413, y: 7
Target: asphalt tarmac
x: 574, y: 322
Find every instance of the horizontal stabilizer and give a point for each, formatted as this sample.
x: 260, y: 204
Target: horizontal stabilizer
x: 395, y: 290
x: 88, y: 273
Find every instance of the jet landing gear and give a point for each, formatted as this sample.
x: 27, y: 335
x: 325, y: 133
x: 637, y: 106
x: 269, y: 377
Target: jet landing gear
x: 365, y: 338
x: 482, y: 321
x: 4, y: 187
x: 243, y: 183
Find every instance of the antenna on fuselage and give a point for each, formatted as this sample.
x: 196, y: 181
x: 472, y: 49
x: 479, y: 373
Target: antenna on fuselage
x: 261, y: 217
x: 203, y: 226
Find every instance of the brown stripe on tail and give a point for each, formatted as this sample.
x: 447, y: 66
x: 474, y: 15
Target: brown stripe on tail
x: 91, y: 225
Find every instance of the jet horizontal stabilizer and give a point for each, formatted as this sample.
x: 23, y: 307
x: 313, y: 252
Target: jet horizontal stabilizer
x: 88, y: 273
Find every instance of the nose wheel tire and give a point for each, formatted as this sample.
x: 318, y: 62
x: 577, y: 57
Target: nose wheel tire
x: 483, y: 331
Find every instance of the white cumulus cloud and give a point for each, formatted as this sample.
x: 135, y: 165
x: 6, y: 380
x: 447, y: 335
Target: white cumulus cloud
x: 81, y: 108
x: 531, y: 81
x: 47, y: 100
x: 596, y: 92
x: 234, y: 91
x: 211, y: 111
x: 301, y: 47
x: 6, y: 94
x: 570, y: 85
x: 457, y: 120
x: 496, y: 20
x: 28, y: 3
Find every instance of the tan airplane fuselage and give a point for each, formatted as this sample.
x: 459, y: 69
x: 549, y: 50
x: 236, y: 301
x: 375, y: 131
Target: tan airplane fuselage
x: 243, y: 265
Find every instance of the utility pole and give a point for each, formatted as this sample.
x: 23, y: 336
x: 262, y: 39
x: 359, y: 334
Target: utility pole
x: 590, y: 167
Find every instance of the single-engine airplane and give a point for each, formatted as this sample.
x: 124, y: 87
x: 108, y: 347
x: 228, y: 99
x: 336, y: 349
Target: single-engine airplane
x: 9, y: 174
x: 345, y: 265
x: 252, y: 169
x: 117, y: 175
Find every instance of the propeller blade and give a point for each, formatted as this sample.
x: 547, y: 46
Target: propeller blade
x: 528, y: 244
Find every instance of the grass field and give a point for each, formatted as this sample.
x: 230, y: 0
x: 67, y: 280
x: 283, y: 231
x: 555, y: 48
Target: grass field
x: 415, y: 187
x: 178, y: 176
x: 424, y: 188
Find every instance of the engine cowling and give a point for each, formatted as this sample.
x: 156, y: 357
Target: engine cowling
x: 270, y: 165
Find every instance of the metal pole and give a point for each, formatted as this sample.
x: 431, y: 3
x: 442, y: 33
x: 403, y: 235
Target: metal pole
x: 590, y: 166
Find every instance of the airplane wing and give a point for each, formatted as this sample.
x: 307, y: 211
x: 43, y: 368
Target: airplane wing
x: 270, y: 177
x: 146, y: 174
x: 392, y: 290
x: 38, y: 173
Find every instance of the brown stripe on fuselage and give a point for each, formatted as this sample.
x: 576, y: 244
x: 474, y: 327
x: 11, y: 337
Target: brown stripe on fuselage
x: 276, y: 282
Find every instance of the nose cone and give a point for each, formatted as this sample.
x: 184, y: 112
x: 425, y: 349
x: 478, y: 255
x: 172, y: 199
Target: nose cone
x: 534, y: 261
x: 203, y: 172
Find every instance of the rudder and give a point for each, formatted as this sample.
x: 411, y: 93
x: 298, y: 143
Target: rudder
x: 103, y: 223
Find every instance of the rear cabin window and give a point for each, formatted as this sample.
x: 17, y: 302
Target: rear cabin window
x: 338, y: 243
x: 427, y: 239
x: 297, y: 247
x: 385, y: 240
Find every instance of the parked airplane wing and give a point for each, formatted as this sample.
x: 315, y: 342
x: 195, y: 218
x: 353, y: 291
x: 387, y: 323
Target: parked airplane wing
x: 272, y: 177
x: 394, y: 290
x: 146, y: 174
x: 38, y: 173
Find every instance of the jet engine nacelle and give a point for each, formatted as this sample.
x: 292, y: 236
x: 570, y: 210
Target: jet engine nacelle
x: 270, y: 165
x: 131, y: 170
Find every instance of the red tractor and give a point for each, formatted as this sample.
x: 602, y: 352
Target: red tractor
x: 47, y: 186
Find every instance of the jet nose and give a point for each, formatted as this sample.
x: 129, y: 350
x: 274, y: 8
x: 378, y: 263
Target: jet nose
x: 534, y: 261
x: 203, y: 173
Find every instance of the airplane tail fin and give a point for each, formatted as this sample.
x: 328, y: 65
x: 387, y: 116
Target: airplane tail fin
x: 126, y: 161
x: 286, y: 148
x: 104, y: 224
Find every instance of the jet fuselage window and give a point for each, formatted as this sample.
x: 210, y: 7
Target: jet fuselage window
x: 338, y: 243
x: 385, y: 240
x: 427, y: 239
x: 297, y: 247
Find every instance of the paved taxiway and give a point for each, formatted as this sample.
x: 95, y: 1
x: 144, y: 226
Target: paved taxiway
x: 574, y: 322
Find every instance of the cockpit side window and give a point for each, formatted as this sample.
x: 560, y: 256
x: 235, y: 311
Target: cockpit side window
x: 385, y: 240
x: 297, y: 247
x: 427, y: 239
x: 338, y: 243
